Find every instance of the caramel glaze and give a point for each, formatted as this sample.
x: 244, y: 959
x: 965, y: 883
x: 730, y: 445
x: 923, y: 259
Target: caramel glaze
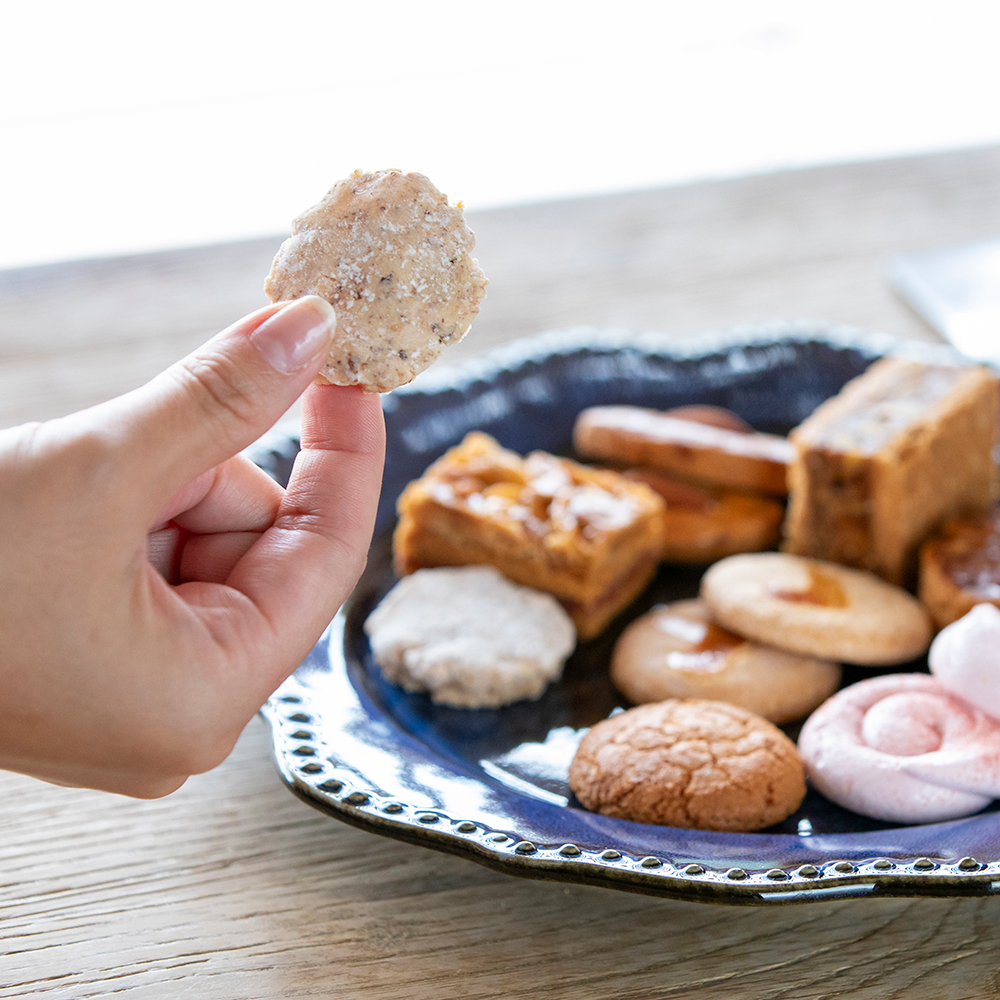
x: 970, y: 555
x: 822, y: 590
x: 715, y: 644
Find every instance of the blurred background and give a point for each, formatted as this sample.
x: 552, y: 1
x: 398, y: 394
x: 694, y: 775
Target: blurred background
x: 129, y: 127
x: 669, y: 166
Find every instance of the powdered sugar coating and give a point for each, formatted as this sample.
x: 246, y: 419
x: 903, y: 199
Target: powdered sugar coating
x: 469, y: 636
x: 393, y: 258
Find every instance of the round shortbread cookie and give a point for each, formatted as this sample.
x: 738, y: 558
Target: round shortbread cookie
x: 676, y: 651
x: 816, y: 608
x: 689, y: 763
x: 394, y: 259
x: 469, y: 637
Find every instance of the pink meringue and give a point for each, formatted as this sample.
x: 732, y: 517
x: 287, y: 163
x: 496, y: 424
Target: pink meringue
x: 965, y: 657
x: 903, y: 748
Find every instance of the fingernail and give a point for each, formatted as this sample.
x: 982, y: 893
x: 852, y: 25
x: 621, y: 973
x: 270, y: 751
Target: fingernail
x: 296, y: 335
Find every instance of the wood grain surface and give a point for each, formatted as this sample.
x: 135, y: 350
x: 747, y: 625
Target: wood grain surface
x: 231, y: 887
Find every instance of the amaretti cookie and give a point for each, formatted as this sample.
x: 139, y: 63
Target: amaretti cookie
x: 469, y: 637
x: 816, y: 608
x: 394, y: 259
x: 901, y: 448
x: 676, y: 651
x: 588, y: 536
x: 692, y: 449
x: 960, y: 567
x: 689, y: 763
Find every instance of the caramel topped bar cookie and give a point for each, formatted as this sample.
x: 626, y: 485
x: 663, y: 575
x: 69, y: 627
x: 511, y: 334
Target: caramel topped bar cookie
x: 590, y: 537
x: 394, y: 259
x: 878, y: 466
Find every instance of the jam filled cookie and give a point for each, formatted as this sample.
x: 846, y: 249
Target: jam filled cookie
x: 689, y: 763
x: 816, y: 608
x: 394, y: 259
x: 702, y: 525
x: 469, y: 637
x: 676, y: 651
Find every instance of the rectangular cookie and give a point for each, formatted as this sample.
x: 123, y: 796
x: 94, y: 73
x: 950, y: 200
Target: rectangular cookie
x: 590, y: 537
x: 900, y: 448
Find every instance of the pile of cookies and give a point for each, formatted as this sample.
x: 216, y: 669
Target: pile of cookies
x: 896, y: 472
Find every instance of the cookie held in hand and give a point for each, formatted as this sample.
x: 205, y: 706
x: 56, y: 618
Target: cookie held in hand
x: 689, y: 763
x: 394, y: 259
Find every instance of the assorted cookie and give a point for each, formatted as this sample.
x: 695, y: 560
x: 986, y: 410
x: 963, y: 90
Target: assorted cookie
x: 394, y: 259
x: 677, y: 651
x: 469, y: 637
x: 689, y: 763
x: 817, y: 608
x: 764, y: 642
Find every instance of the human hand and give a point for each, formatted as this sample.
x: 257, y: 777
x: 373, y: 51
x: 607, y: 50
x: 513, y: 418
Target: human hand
x: 155, y: 586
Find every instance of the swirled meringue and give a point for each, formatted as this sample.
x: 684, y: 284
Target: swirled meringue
x: 903, y: 748
x: 965, y: 657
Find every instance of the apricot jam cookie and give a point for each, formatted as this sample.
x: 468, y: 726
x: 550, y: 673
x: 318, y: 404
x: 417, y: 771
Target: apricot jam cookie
x: 676, y: 651
x: 816, y: 608
x: 689, y: 763
x: 469, y: 637
x: 394, y: 259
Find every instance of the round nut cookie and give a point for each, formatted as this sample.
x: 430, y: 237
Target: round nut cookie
x: 689, y: 763
x: 816, y: 608
x: 469, y: 637
x: 393, y: 258
x: 676, y: 651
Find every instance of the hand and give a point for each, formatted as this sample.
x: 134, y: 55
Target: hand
x: 155, y: 586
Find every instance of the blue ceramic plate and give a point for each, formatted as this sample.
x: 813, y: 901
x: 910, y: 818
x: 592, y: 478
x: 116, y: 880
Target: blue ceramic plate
x: 490, y: 785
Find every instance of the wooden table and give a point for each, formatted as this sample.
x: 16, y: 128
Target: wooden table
x: 232, y: 888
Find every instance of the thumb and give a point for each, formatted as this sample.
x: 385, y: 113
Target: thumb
x: 221, y: 398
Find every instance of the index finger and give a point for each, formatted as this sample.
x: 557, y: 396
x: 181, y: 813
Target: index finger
x: 306, y: 564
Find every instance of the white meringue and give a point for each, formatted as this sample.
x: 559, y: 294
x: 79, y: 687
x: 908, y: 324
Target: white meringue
x: 965, y: 657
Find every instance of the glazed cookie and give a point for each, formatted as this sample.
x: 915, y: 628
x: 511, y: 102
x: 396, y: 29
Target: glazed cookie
x: 676, y: 651
x: 469, y: 637
x: 816, y: 608
x: 689, y: 763
x: 394, y: 259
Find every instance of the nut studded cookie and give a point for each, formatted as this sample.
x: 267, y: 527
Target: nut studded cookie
x: 394, y: 259
x: 816, y: 608
x: 469, y: 637
x: 689, y: 763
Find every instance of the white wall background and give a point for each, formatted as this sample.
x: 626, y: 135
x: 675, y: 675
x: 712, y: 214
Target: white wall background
x: 128, y: 126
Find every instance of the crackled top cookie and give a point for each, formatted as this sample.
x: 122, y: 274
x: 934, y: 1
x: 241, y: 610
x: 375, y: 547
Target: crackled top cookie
x: 469, y: 636
x: 689, y: 763
x: 816, y: 608
x: 394, y: 259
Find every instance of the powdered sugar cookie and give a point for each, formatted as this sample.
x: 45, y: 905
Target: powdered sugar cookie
x: 676, y: 651
x: 816, y: 608
x: 393, y: 258
x: 469, y: 636
x: 689, y: 763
